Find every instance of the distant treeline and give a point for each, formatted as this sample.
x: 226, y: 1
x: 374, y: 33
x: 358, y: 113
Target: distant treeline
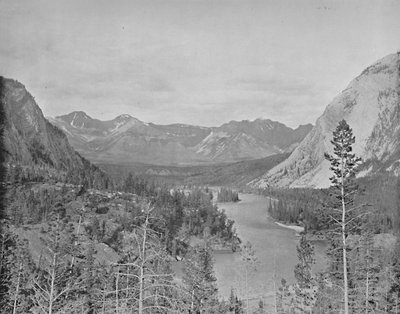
x: 381, y: 194
x: 87, y: 174
x: 227, y: 195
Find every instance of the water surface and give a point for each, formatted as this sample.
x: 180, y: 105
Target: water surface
x: 275, y: 249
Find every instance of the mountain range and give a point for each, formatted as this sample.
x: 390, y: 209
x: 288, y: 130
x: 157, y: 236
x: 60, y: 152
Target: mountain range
x: 371, y: 106
x: 126, y: 139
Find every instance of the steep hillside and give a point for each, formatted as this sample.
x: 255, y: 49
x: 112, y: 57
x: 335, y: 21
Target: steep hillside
x: 236, y: 174
x: 126, y: 139
x: 371, y: 106
x: 31, y: 142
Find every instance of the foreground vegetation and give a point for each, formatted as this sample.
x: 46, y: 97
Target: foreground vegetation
x: 68, y: 248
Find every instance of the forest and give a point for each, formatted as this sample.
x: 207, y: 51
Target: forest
x: 227, y: 195
x: 80, y: 242
x: 60, y: 239
x: 378, y: 193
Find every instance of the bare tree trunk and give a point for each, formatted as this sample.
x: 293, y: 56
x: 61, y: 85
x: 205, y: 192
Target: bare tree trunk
x: 275, y: 302
x: 116, y: 292
x: 52, y: 283
x: 104, y: 300
x: 276, y: 305
x: 345, y: 280
x: 247, y: 292
x: 141, y: 271
x: 127, y: 284
x: 17, y: 289
x: 75, y: 242
x: 141, y: 290
x: 3, y: 240
x: 367, y: 293
x: 192, y: 305
x: 386, y: 309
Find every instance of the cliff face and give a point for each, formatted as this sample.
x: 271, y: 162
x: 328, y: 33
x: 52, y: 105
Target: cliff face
x: 371, y: 106
x: 31, y: 141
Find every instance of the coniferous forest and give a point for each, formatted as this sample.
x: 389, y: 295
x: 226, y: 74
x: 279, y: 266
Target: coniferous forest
x: 70, y: 248
x: 227, y: 195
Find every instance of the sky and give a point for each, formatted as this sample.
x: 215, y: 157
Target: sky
x: 193, y: 61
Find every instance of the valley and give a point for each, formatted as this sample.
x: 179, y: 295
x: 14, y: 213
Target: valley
x: 233, y: 174
x: 97, y: 213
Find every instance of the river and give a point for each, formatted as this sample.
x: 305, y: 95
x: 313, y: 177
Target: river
x: 274, y: 246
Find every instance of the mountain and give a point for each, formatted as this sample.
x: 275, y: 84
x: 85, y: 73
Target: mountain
x: 31, y: 142
x: 250, y: 140
x: 126, y: 139
x: 371, y: 106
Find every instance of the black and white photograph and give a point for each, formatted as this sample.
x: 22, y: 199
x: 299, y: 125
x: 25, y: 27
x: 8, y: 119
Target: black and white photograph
x: 200, y: 156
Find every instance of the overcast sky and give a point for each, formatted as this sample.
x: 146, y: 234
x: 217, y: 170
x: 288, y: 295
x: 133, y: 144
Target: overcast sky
x: 193, y: 61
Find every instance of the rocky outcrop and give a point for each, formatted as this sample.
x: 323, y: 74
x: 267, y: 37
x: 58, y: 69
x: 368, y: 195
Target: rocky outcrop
x: 371, y: 106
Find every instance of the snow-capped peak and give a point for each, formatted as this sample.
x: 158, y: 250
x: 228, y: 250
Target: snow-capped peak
x: 124, y: 117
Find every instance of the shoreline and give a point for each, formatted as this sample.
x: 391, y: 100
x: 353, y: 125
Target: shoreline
x: 298, y: 229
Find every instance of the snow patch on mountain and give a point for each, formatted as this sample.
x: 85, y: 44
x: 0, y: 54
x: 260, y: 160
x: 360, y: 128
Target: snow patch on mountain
x: 212, y: 141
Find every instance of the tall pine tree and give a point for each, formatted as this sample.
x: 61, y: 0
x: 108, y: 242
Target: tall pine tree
x: 343, y: 214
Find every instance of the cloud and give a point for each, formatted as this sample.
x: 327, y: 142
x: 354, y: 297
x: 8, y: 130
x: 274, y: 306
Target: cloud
x: 276, y: 85
x: 203, y: 62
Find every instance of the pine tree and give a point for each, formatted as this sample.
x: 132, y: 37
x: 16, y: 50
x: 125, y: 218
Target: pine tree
x: 303, y: 273
x: 235, y: 305
x: 261, y: 308
x: 305, y: 254
x: 90, y: 280
x: 250, y: 263
x: 365, y: 274
x: 200, y: 280
x: 344, y: 165
x: 392, y: 274
x: 15, y: 268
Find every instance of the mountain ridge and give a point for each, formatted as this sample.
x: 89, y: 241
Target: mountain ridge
x: 130, y: 140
